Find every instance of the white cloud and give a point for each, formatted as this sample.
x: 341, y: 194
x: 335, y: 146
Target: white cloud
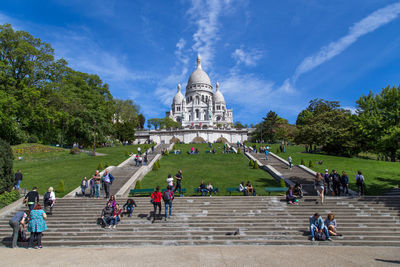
x: 369, y: 24
x: 248, y: 58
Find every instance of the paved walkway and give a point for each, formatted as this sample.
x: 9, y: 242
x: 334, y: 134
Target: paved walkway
x: 201, y: 256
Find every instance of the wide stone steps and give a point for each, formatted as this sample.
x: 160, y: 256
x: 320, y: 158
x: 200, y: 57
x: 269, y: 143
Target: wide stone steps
x: 369, y: 221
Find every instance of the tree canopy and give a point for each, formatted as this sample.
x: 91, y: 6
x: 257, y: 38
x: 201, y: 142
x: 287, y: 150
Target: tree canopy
x: 42, y: 99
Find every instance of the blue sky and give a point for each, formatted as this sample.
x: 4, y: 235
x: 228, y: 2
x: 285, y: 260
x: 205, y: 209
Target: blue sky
x: 266, y: 55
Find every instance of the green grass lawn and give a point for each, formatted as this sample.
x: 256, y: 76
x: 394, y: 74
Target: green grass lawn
x: 379, y: 175
x: 222, y: 170
x: 45, y: 166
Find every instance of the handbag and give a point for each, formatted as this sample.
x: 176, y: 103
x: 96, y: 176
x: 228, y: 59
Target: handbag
x: 152, y: 201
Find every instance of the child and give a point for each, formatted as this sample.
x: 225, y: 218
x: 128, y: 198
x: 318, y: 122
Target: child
x: 128, y: 207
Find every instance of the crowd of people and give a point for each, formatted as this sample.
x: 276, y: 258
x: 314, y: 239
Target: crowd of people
x: 335, y: 184
x: 97, y: 183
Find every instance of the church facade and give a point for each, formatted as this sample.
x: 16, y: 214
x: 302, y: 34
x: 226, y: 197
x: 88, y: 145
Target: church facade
x: 201, y: 106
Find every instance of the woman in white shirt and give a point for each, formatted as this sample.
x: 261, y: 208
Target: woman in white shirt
x: 49, y: 200
x: 170, y: 181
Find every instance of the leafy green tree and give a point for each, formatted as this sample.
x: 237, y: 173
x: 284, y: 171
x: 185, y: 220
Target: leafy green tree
x: 6, y: 167
x: 141, y: 120
x: 378, y: 122
x: 238, y: 125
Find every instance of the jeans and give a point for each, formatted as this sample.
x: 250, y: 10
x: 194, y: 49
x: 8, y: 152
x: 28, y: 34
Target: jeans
x: 83, y: 188
x: 17, y: 184
x: 204, y: 192
x: 114, y: 221
x: 155, y: 205
x: 97, y: 190
x: 345, y: 188
x: 360, y: 188
x: 266, y: 156
x: 129, y: 210
x: 107, y: 189
x: 314, y: 228
x: 35, y: 237
x: 31, y: 206
x: 106, y: 220
x: 92, y: 190
x: 15, y: 226
x: 168, y: 205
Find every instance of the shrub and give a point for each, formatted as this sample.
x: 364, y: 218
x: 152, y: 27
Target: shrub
x: 33, y: 139
x: 61, y: 187
x: 310, y: 164
x: 138, y: 184
x: 158, y: 164
x: 239, y: 151
x: 126, y: 154
x: 100, y: 166
x: 174, y: 147
x: 155, y: 166
x: 255, y: 166
x: 75, y: 150
x: 283, y: 184
x: 277, y: 151
x: 9, y: 197
x: 6, y: 167
x: 303, y: 162
x: 251, y: 163
x: 107, y: 164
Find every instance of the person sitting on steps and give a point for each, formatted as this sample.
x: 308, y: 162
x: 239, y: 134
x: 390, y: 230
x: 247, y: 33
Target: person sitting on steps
x: 128, y: 207
x: 290, y: 199
x: 106, y: 215
x: 317, y: 226
x: 115, y: 217
x: 298, y: 190
x: 330, y: 223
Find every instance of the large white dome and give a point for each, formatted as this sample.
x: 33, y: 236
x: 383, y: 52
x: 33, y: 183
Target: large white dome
x: 178, y: 98
x: 199, y: 76
x: 218, y: 97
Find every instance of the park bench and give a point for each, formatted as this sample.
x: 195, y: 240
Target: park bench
x: 145, y: 191
x: 196, y: 190
x: 275, y: 189
x: 232, y: 189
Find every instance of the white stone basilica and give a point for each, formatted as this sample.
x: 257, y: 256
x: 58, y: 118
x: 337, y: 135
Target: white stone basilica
x: 200, y: 106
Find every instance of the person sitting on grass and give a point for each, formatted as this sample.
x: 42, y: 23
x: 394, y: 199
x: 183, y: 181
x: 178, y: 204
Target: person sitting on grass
x: 211, y: 189
x: 250, y: 189
x: 106, y: 215
x: 202, y: 188
x: 128, y: 207
x: 330, y: 223
x: 243, y: 189
x: 115, y: 217
x: 317, y: 226
x: 290, y: 199
x: 298, y: 190
x: 196, y: 151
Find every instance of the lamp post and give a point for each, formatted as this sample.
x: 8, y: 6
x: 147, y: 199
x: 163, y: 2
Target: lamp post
x: 94, y: 138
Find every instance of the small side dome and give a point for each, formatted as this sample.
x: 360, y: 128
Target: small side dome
x: 218, y: 97
x: 178, y: 98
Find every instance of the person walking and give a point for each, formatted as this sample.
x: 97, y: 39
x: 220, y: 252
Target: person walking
x: 97, y: 183
x: 178, y: 178
x: 319, y: 187
x: 49, y: 199
x: 84, y: 185
x: 18, y: 179
x: 360, y: 182
x: 36, y: 226
x: 290, y: 162
x: 266, y: 154
x: 344, y: 180
x: 156, y: 200
x: 32, y: 198
x: 15, y: 222
x: 108, y: 180
x: 168, y: 197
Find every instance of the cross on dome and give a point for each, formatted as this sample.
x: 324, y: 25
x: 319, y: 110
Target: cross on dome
x: 198, y: 61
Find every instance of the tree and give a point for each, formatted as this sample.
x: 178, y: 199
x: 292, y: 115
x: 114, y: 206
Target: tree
x: 238, y: 125
x: 378, y: 122
x: 155, y: 122
x: 274, y: 128
x: 126, y: 119
x: 325, y: 124
x: 141, y: 121
x: 6, y: 167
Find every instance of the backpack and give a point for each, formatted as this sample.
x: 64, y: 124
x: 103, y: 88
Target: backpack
x: 320, y: 236
x: 167, y: 196
x: 46, y: 197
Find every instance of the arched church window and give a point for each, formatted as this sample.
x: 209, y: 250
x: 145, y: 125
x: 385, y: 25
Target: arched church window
x: 197, y: 113
x: 202, y: 98
x: 218, y: 118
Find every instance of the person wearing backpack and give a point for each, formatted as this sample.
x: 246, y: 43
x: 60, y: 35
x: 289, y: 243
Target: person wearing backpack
x: 317, y: 226
x: 156, y: 201
x: 360, y: 180
x: 49, y: 199
x: 168, y: 197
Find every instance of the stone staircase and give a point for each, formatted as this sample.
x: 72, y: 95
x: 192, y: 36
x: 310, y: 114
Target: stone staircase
x: 123, y: 174
x: 365, y: 221
x: 296, y: 174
